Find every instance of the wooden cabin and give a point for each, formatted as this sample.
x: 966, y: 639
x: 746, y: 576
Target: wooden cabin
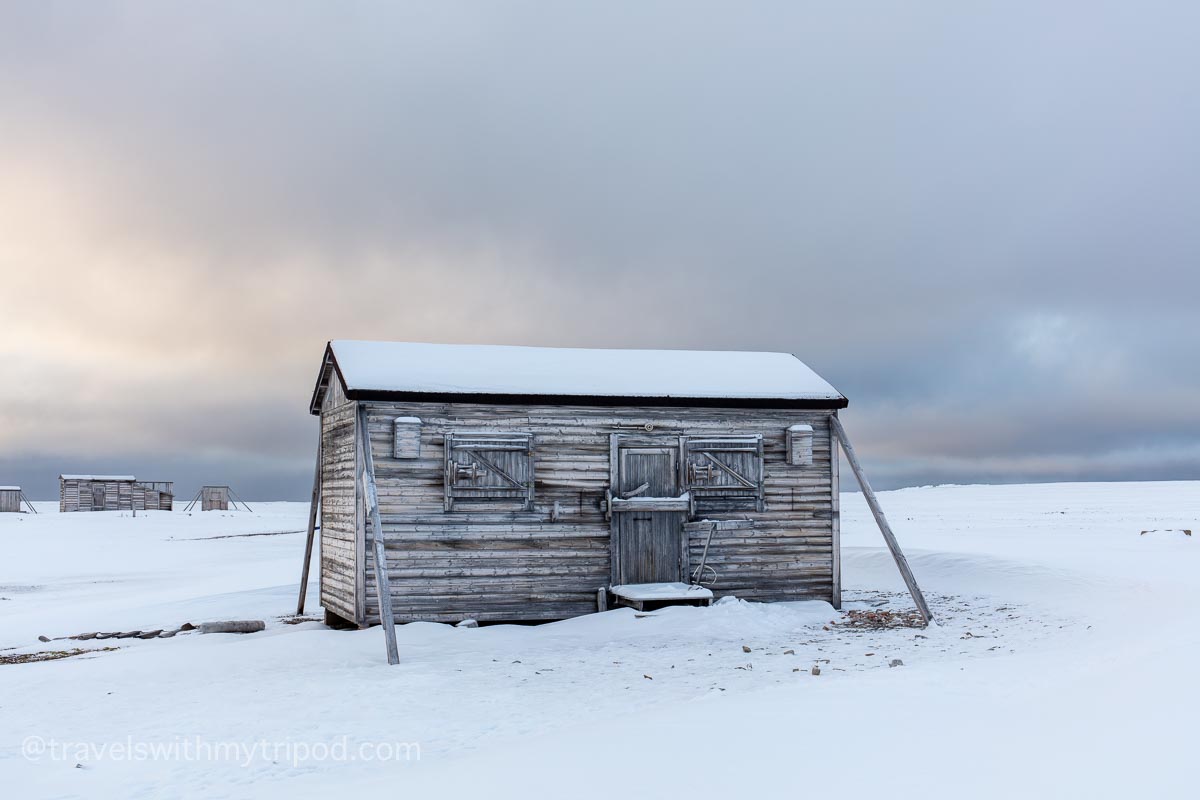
x: 113, y: 493
x: 522, y: 483
x: 214, y: 498
x: 10, y: 499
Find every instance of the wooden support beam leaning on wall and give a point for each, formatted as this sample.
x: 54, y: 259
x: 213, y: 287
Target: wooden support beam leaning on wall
x: 873, y: 502
x: 312, y: 525
x: 383, y: 589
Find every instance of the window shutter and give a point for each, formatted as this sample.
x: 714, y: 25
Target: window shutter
x: 724, y: 473
x: 800, y: 445
x: 489, y: 468
x: 407, y: 438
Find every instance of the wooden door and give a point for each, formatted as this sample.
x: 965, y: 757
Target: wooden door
x: 97, y: 497
x: 649, y: 542
x: 214, y: 498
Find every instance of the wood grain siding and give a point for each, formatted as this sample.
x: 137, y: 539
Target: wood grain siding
x: 495, y: 563
x: 147, y: 499
x: 88, y: 495
x: 214, y: 498
x: 339, y: 500
x: 835, y: 495
x: 78, y: 494
x: 788, y: 553
x: 10, y: 500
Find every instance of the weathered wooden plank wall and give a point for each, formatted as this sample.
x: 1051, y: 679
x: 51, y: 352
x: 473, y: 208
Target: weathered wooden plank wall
x: 339, y: 533
x: 492, y: 563
x: 79, y: 495
x: 214, y: 498
x: 68, y: 496
x: 10, y: 500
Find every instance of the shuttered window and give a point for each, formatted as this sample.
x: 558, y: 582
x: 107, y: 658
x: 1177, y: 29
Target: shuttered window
x: 724, y: 473
x: 495, y: 469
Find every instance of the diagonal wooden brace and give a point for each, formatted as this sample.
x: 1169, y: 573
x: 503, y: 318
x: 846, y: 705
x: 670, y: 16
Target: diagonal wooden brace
x: 382, y: 586
x: 314, y: 503
x: 835, y: 425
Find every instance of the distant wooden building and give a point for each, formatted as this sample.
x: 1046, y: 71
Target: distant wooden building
x: 519, y: 483
x: 10, y: 499
x: 113, y: 493
x: 216, y: 498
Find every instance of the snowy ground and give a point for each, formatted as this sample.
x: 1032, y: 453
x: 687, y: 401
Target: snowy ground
x: 1065, y: 664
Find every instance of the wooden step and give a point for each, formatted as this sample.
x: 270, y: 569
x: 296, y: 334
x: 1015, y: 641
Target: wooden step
x: 657, y: 595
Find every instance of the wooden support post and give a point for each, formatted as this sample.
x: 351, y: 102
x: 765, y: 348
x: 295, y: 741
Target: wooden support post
x: 836, y: 522
x: 312, y: 525
x: 901, y: 562
x: 614, y: 529
x: 383, y: 589
x: 237, y: 499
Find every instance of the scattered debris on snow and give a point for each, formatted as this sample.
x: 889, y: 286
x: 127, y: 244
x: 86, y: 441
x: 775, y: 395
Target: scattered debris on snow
x: 233, y: 626
x: 882, y: 619
x: 52, y: 655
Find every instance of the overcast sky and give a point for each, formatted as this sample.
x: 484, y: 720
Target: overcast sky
x: 978, y: 220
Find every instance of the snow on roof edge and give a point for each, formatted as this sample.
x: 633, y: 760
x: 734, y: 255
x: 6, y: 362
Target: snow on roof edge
x: 401, y: 367
x: 97, y: 477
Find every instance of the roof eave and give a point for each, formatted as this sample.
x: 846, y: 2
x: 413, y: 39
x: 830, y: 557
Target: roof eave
x: 329, y: 368
x: 802, y: 403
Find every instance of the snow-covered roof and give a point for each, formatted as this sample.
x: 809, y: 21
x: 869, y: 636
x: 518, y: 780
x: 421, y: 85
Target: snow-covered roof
x: 407, y: 367
x: 10, y: 488
x: 97, y: 477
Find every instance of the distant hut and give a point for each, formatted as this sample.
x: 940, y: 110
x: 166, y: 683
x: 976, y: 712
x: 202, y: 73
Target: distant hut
x: 216, y: 498
x: 113, y: 493
x: 11, y: 498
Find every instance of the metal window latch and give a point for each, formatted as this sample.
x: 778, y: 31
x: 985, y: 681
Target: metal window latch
x: 647, y: 427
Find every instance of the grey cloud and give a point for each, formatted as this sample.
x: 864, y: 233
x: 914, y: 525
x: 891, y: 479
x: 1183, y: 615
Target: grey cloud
x: 977, y: 221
